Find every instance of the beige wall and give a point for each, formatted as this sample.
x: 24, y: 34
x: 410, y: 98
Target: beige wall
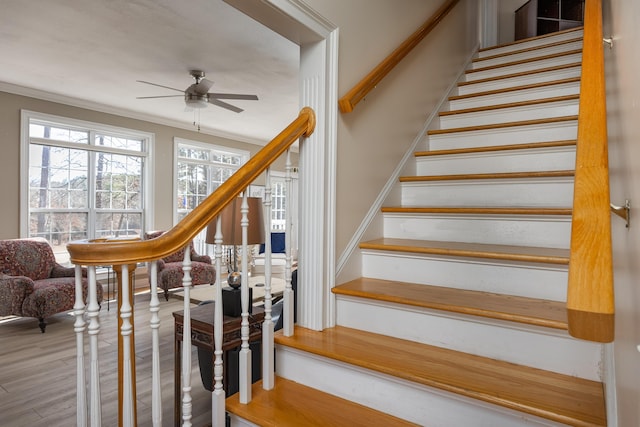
x: 623, y: 106
x: 10, y: 106
x: 507, y: 20
x: 373, y: 138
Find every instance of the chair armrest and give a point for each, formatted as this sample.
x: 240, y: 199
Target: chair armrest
x: 201, y: 258
x: 60, y: 271
x: 13, y: 291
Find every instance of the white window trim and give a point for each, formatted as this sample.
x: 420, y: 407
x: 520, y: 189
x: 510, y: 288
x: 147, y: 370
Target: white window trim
x: 148, y: 170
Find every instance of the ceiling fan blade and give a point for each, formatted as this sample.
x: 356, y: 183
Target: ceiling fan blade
x: 203, y: 87
x: 233, y: 96
x: 155, y: 84
x: 161, y: 96
x: 225, y: 105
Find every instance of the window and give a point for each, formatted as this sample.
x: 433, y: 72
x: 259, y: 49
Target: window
x: 199, y: 170
x: 81, y: 180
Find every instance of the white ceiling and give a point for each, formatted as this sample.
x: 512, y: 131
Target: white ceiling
x: 90, y: 53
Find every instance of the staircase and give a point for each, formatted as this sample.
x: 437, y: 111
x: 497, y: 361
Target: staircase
x: 459, y: 317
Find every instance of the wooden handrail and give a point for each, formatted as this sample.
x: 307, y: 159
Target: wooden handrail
x: 590, y: 302
x: 116, y: 252
x: 348, y: 102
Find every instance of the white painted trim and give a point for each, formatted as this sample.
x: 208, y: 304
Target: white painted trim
x: 318, y: 80
x: 393, y: 179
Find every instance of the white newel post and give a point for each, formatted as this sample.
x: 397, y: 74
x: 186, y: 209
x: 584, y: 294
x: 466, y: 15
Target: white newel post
x: 268, y: 364
x: 218, y: 395
x: 156, y: 386
x: 79, y: 327
x: 245, y: 351
x: 186, y: 340
x: 93, y: 310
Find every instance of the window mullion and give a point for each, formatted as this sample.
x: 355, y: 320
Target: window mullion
x: 91, y: 176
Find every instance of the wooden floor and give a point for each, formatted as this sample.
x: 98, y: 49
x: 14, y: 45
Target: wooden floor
x: 38, y: 371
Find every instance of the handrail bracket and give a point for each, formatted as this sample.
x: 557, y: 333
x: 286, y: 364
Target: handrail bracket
x: 623, y: 212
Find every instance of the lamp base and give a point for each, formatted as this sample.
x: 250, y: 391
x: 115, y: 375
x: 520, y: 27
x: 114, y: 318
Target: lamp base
x: 232, y: 301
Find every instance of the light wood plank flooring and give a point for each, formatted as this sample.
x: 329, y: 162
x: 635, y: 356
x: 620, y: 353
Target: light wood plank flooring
x: 38, y: 371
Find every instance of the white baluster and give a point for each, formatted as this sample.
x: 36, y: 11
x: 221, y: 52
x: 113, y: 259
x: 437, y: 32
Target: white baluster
x: 93, y: 309
x: 79, y: 327
x: 288, y: 291
x: 156, y: 387
x: 126, y: 330
x: 245, y: 352
x: 268, y: 364
x: 186, y: 340
x: 218, y: 396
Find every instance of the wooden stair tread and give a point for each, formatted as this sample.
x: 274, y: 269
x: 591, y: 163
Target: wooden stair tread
x: 523, y: 73
x: 529, y: 49
x: 497, y: 175
x: 553, y: 396
x: 504, y: 125
x: 288, y: 404
x: 473, y: 250
x: 477, y: 210
x: 511, y: 105
x: 530, y: 311
x: 524, y: 61
x: 515, y: 88
x: 525, y: 146
x: 528, y: 39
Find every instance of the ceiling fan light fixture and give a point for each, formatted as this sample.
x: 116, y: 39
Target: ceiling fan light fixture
x: 195, y: 100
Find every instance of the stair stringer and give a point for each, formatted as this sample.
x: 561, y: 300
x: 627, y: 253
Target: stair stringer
x: 420, y: 404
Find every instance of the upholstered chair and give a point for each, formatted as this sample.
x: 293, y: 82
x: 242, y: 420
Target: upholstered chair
x: 170, y: 272
x: 33, y: 284
x: 278, y: 257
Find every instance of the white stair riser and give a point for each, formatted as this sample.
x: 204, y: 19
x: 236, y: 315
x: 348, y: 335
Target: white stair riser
x: 519, y: 68
x: 531, y: 43
x: 506, y: 341
x: 516, y: 96
x: 415, y: 403
x: 513, y: 114
x: 565, y: 130
x: 545, y: 281
x: 552, y: 232
x: 509, y: 82
x: 522, y: 160
x: 549, y: 50
x: 547, y: 192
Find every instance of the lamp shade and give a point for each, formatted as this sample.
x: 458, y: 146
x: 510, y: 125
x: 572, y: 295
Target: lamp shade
x: 231, y: 217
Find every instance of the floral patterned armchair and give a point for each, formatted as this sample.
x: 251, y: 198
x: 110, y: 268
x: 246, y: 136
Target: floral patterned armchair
x: 170, y: 272
x: 32, y: 283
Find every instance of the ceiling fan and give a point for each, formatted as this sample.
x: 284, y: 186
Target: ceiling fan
x: 198, y: 96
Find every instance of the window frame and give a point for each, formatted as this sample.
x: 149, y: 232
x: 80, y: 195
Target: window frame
x: 92, y: 129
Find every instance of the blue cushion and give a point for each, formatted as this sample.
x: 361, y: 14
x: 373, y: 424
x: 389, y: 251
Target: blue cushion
x: 277, y: 244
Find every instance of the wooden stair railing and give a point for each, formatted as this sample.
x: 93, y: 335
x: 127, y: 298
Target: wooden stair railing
x: 124, y: 252
x: 123, y: 255
x: 590, y: 302
x: 348, y: 102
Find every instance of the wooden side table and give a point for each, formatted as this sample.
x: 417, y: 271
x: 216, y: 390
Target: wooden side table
x: 202, y: 336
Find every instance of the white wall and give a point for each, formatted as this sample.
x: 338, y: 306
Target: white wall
x: 623, y: 105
